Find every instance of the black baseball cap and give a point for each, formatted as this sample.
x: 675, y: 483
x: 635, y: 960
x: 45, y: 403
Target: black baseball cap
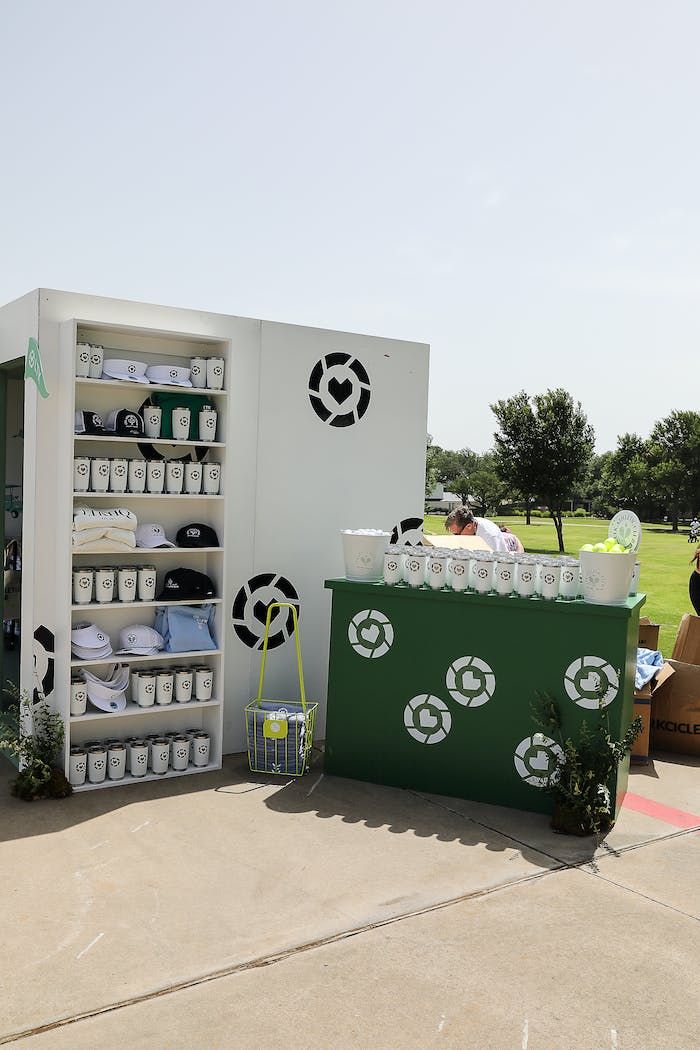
x: 197, y: 535
x: 187, y: 584
x: 87, y: 422
x: 125, y: 422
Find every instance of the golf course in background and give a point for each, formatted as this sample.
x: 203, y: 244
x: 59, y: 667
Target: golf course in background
x: 664, y: 558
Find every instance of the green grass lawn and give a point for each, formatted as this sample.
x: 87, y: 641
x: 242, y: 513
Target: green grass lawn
x: 664, y: 559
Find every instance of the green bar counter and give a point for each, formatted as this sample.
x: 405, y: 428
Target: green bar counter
x: 432, y: 690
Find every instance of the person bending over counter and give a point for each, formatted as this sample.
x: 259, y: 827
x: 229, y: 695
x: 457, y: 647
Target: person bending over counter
x: 461, y: 522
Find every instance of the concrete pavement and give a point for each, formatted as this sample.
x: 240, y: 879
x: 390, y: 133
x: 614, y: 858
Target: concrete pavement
x: 227, y: 910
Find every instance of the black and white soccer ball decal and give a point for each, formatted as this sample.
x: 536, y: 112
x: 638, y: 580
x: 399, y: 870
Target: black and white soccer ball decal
x: 339, y: 389
x: 44, y: 648
x: 250, y: 607
x: 408, y: 531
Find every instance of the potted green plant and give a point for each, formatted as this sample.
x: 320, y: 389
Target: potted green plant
x: 37, y: 744
x: 580, y: 783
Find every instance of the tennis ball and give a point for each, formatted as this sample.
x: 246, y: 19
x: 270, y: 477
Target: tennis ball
x: 600, y: 548
x: 610, y: 543
x: 587, y: 547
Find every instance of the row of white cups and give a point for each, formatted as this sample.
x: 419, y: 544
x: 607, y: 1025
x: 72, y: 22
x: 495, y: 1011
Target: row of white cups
x: 206, y: 373
x: 483, y: 572
x: 155, y: 686
x: 104, y: 584
x: 100, y: 760
x: 180, y: 423
x: 103, y: 474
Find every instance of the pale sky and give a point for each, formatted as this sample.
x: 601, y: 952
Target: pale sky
x: 515, y: 183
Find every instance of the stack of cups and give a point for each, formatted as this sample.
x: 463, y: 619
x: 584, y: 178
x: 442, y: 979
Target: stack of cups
x: 459, y: 571
x: 504, y: 574
x: 525, y: 576
x: 568, y: 582
x: 437, y: 570
x: 414, y: 567
x: 393, y: 566
x: 550, y: 574
x: 484, y: 566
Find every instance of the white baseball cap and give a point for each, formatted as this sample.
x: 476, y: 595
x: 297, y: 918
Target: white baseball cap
x: 89, y: 642
x: 169, y: 375
x: 152, y: 535
x: 108, y: 694
x: 131, y: 371
x: 141, y: 640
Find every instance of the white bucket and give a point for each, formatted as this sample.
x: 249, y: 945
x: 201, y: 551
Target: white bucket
x: 364, y: 555
x: 606, y: 577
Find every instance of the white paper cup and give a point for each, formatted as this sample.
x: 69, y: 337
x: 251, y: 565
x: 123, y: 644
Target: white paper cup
x: 181, y: 424
x: 550, y: 575
x: 415, y: 568
x: 78, y: 698
x: 568, y: 581
x: 437, y: 571
x: 203, y: 683
x: 82, y: 361
x: 81, y: 474
x: 198, y: 372
x: 97, y: 764
x: 127, y: 578
x: 104, y: 585
x: 183, y: 686
x: 393, y: 570
x: 193, y: 478
x: 459, y: 573
x: 146, y: 583
x: 215, y: 373
x: 180, y: 752
x: 160, y: 755
x: 211, y: 479
x: 525, y: 578
x: 504, y: 576
x: 96, y: 359
x: 155, y: 476
x: 165, y: 687
x: 483, y: 574
x: 134, y: 686
x: 152, y: 418
x: 99, y: 474
x: 137, y: 475
x: 118, y: 475
x: 116, y: 761
x: 207, y: 424
x: 201, y: 745
x: 83, y: 582
x: 146, y: 690
x: 138, y: 758
x: 174, y: 477
x: 77, y: 766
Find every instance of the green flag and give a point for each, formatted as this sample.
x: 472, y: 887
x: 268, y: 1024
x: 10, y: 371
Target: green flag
x: 33, y: 368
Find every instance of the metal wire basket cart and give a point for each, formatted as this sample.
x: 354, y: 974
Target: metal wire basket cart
x: 280, y: 732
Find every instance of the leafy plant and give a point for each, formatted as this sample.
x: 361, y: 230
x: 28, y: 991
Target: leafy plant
x: 580, y: 783
x: 37, y: 749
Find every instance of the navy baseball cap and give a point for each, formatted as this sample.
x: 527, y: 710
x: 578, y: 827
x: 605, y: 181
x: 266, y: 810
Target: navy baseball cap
x: 197, y: 535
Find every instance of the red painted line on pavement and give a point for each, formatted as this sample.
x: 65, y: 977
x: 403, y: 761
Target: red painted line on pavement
x: 677, y: 817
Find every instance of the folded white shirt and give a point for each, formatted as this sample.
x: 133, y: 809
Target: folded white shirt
x: 106, y: 546
x: 90, y: 535
x: 116, y: 518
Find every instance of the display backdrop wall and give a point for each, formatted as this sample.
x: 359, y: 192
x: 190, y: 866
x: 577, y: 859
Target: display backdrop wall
x: 326, y: 430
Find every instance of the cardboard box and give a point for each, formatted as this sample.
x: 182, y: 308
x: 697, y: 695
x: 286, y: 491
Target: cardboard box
x: 648, y: 633
x: 687, y: 646
x: 643, y: 708
x: 675, y: 711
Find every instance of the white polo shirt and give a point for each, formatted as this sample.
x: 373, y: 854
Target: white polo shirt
x: 490, y: 533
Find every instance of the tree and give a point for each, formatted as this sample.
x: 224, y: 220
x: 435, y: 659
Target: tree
x: 544, y: 444
x: 516, y: 447
x: 431, y: 477
x: 486, y: 486
x: 454, y: 470
x: 674, y: 458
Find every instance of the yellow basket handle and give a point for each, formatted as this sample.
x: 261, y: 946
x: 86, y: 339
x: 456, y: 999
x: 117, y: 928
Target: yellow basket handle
x: 283, y: 605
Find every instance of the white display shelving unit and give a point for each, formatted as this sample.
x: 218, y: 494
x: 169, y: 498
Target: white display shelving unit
x: 169, y: 510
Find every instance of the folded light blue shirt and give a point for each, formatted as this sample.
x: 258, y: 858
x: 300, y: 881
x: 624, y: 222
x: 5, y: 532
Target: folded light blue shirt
x: 648, y: 663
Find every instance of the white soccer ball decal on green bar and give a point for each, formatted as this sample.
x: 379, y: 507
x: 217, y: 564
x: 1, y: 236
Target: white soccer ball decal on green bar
x: 427, y: 719
x: 470, y: 681
x: 591, y: 682
x: 370, y: 634
x: 537, y: 759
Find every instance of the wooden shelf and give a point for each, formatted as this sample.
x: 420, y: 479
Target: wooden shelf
x: 169, y: 388
x: 99, y: 606
x: 170, y: 775
x: 148, y: 440
x: 146, y: 552
x: 133, y: 710
x: 158, y: 658
x: 189, y: 496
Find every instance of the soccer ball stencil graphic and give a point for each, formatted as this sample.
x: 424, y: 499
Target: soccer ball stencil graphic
x: 408, y: 531
x: 470, y: 681
x: 339, y: 390
x: 250, y: 610
x: 537, y: 760
x: 427, y: 719
x: 591, y: 682
x: 370, y: 634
